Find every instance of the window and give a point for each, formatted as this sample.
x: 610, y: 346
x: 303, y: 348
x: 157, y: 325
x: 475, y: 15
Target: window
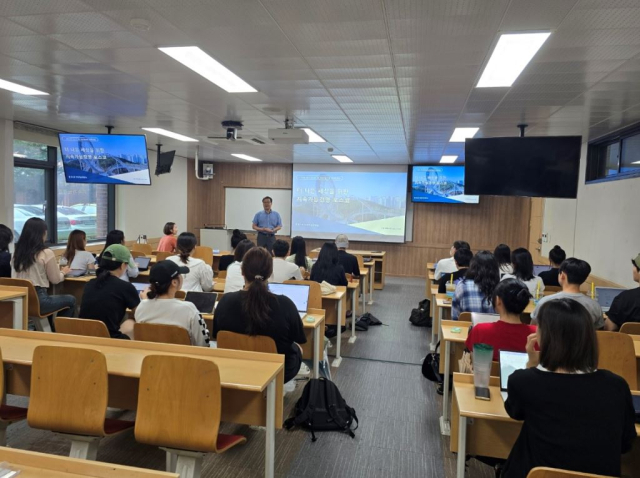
x: 39, y: 182
x: 615, y: 156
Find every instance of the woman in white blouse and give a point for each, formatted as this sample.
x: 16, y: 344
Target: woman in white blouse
x: 74, y: 255
x: 235, y: 279
x: 200, y: 275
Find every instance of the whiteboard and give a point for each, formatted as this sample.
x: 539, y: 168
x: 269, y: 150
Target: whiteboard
x: 242, y: 204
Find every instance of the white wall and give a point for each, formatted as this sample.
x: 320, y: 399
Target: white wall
x: 146, y: 209
x: 602, y: 226
x: 6, y: 173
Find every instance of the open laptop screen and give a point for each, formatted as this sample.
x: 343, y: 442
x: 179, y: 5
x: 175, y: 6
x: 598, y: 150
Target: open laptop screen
x: 142, y: 262
x: 204, y: 301
x: 605, y: 296
x: 298, y: 293
x: 537, y: 269
x: 509, y: 363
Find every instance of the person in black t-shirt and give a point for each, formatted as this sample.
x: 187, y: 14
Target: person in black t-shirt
x: 327, y: 268
x: 226, y: 261
x: 462, y: 257
x: 556, y: 257
x: 6, y: 237
x: 576, y: 417
x: 626, y: 306
x: 256, y: 311
x: 348, y: 261
x: 107, y: 297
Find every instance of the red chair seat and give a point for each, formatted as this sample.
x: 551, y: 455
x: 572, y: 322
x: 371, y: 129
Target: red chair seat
x: 112, y: 425
x: 9, y: 413
x: 227, y: 441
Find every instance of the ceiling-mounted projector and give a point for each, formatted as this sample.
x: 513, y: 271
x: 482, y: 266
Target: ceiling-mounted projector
x: 288, y: 136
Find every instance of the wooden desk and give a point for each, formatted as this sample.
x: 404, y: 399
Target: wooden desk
x: 636, y: 344
x: 431, y: 275
x: 449, y: 337
x: 40, y: 465
x: 245, y: 377
x: 370, y: 274
x: 378, y: 267
x: 442, y: 306
x: 353, y: 286
x: 18, y: 299
x: 364, y: 281
x: 433, y: 292
x: 431, y: 266
x: 335, y: 309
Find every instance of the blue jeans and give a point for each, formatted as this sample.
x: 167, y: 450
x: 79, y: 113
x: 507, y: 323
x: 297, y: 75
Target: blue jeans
x: 51, y: 303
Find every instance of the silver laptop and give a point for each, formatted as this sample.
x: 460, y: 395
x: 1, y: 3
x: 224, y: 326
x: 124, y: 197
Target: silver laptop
x: 298, y: 293
x: 605, y: 296
x: 509, y: 363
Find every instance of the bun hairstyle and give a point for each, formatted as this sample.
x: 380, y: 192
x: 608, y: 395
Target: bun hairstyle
x: 157, y: 289
x: 514, y: 294
x: 557, y: 255
x: 236, y: 237
x: 186, y: 244
x: 104, y: 270
x: 257, y: 267
x: 241, y: 249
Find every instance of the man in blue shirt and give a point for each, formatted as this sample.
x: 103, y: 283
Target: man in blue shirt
x: 267, y: 223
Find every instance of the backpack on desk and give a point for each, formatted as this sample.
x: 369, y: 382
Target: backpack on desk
x: 322, y: 408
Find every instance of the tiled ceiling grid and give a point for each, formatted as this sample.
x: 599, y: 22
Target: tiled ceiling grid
x: 384, y: 81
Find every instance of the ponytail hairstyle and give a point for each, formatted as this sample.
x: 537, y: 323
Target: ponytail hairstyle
x: 75, y: 243
x: 557, y: 255
x: 236, y: 237
x: 114, y: 237
x: 514, y: 294
x: 299, y: 251
x: 158, y: 288
x: 30, y: 244
x: 187, y: 242
x: 257, y: 267
x: 105, y: 268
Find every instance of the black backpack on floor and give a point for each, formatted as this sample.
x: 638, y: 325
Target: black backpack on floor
x: 322, y: 408
x: 420, y: 317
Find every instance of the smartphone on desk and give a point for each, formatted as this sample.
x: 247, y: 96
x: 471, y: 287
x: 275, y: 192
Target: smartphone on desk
x: 483, y: 393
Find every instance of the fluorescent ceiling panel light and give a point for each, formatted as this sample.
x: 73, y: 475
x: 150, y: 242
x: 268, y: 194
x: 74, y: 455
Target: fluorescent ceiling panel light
x: 246, y: 157
x: 342, y: 158
x: 511, y: 55
x: 461, y: 134
x: 313, y: 136
x: 171, y: 134
x: 636, y: 162
x: 23, y: 90
x: 196, y: 59
x: 448, y: 159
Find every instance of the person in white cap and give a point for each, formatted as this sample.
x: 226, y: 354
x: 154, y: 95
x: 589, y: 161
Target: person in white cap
x: 348, y: 261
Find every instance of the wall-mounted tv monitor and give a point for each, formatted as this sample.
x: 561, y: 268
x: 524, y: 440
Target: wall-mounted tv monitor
x: 532, y: 167
x: 440, y: 184
x: 105, y: 158
x: 165, y: 161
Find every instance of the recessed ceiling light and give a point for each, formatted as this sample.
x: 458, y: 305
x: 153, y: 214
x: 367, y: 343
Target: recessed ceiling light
x: 448, y: 159
x: 16, y: 88
x: 342, y: 158
x: 246, y: 157
x: 196, y: 59
x: 461, y: 134
x: 313, y: 136
x: 510, y: 56
x: 171, y: 134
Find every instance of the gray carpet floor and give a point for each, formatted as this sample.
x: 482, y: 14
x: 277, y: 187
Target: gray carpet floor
x: 380, y: 377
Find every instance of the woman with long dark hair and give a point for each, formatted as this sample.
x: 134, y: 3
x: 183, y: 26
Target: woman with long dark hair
x: 299, y: 254
x: 502, y: 253
x: 235, y: 281
x: 256, y: 311
x: 6, y: 238
x: 200, y: 276
x: 474, y: 293
x: 227, y: 260
x: 107, y: 298
x: 75, y: 255
x: 34, y: 261
x: 117, y: 237
x: 327, y: 268
x: 523, y: 270
x: 576, y: 417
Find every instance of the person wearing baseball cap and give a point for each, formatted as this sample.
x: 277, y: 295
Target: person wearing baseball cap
x: 161, y: 306
x: 348, y: 261
x: 626, y: 306
x: 107, y: 297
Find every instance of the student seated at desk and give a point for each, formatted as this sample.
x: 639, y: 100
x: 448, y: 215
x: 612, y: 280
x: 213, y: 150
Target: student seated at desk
x: 74, y: 255
x: 6, y: 238
x: 226, y: 261
x: 235, y: 281
x: 573, y: 273
x: 503, y: 256
x: 283, y: 270
x: 474, y: 293
x: 168, y: 242
x: 556, y: 257
x: 34, y: 261
x: 576, y: 417
x: 448, y: 265
x: 160, y: 305
x: 256, y: 311
x: 510, y: 298
x: 107, y: 298
x: 117, y: 237
x: 626, y: 306
x: 523, y: 270
x: 327, y: 268
x: 462, y: 258
x: 200, y: 276
x: 348, y: 261
x: 299, y: 254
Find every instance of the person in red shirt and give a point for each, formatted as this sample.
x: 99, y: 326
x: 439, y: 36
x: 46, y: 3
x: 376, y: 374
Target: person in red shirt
x: 510, y: 298
x: 169, y: 241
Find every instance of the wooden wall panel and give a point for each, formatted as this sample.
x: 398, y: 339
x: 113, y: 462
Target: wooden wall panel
x: 436, y: 226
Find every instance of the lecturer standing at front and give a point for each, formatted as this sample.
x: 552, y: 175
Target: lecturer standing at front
x: 267, y: 223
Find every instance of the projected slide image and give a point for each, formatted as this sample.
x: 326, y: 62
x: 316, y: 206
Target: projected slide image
x: 444, y: 184
x: 357, y: 204
x: 111, y: 159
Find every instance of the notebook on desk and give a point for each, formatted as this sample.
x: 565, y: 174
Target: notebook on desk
x: 509, y: 363
x: 204, y: 301
x: 142, y: 262
x: 298, y: 293
x: 605, y: 296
